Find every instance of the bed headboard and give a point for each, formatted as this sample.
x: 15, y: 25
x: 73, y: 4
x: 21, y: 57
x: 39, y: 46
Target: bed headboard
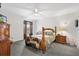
x: 44, y: 29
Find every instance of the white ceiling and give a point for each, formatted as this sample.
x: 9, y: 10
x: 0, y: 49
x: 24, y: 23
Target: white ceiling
x: 44, y: 9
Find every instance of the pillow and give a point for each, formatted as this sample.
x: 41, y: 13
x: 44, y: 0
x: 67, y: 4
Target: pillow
x: 48, y: 33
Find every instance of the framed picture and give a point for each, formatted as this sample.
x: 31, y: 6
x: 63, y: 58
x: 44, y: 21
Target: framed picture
x: 3, y: 18
x: 76, y: 23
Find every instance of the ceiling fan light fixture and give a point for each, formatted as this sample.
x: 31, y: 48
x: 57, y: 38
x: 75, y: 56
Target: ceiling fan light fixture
x: 36, y: 10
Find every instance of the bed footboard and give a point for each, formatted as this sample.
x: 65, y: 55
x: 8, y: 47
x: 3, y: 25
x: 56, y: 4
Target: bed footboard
x: 43, y: 41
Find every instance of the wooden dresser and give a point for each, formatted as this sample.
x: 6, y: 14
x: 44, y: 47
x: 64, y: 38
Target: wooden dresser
x: 5, y: 48
x: 61, y: 39
x: 5, y: 42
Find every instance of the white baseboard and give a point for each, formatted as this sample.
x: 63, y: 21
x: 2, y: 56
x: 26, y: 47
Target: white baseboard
x: 16, y: 40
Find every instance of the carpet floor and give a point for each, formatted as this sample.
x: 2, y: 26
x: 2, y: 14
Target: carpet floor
x: 19, y: 49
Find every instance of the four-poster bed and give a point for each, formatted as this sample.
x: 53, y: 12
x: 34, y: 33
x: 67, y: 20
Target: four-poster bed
x: 43, y: 40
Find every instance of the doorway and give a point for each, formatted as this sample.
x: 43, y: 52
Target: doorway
x: 28, y: 29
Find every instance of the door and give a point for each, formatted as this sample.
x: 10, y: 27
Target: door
x: 28, y: 29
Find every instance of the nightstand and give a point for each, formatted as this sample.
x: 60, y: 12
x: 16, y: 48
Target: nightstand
x: 61, y: 39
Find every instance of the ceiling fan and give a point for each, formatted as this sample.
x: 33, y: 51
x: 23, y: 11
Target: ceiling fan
x: 36, y: 13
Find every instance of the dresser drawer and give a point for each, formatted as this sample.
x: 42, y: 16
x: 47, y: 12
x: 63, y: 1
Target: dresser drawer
x: 5, y: 48
x: 61, y: 39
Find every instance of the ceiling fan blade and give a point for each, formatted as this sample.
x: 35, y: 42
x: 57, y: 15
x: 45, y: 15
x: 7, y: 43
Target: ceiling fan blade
x: 43, y: 15
x: 42, y: 10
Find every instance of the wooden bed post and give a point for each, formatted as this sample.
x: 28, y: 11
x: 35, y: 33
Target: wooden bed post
x: 55, y: 31
x: 43, y: 41
x: 43, y: 44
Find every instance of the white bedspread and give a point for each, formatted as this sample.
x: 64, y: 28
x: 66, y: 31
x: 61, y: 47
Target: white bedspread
x: 49, y: 39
